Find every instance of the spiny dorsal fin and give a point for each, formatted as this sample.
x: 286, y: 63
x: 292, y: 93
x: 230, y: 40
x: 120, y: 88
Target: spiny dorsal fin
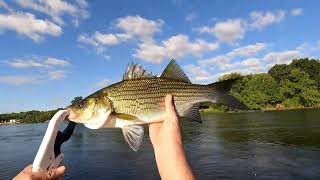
x: 136, y: 71
x: 174, y: 72
x: 193, y: 113
x: 133, y: 135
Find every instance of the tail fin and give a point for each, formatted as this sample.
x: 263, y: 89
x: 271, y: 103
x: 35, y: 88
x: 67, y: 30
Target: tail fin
x: 222, y: 94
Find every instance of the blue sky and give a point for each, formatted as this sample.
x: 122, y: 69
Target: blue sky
x: 54, y: 50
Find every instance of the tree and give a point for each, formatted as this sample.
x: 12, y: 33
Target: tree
x: 76, y: 99
x: 310, y: 66
x: 233, y: 75
x: 257, y: 91
x: 298, y: 89
x: 280, y: 72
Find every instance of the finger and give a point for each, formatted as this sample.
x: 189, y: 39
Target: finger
x: 60, y: 171
x: 28, y: 168
x: 170, y: 106
x: 55, y: 173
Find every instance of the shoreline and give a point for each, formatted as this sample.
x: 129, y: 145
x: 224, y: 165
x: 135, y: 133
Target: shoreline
x: 218, y: 111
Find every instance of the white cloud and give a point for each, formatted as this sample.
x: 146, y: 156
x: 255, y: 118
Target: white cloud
x: 137, y: 26
x: 132, y: 27
x: 260, y: 19
x: 223, y: 61
x: 251, y: 62
x: 308, y: 49
x: 56, y: 75
x: 175, y: 47
x: 296, y: 11
x: 27, y: 24
x: 283, y: 57
x: 198, y: 73
x: 101, y: 40
x: 57, y: 8
x: 103, y: 83
x: 47, y: 62
x: 228, y: 31
x: 56, y: 62
x: 247, y: 51
x: 18, y: 80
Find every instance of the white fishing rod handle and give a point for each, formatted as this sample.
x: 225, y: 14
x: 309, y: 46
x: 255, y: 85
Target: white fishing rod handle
x: 45, y: 158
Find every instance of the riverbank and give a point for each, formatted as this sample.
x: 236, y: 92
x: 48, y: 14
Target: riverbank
x: 219, y: 110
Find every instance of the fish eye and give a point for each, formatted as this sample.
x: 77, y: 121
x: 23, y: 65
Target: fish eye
x: 80, y: 105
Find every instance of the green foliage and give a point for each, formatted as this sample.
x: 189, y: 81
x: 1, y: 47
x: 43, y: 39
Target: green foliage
x: 301, y: 88
x: 229, y: 76
x: 296, y: 85
x: 29, y: 116
x: 280, y: 72
x: 310, y: 66
x: 76, y: 99
x: 257, y: 91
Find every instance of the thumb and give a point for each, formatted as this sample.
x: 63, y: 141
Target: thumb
x: 56, y: 173
x: 170, y: 107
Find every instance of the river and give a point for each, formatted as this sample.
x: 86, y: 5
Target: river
x: 256, y: 145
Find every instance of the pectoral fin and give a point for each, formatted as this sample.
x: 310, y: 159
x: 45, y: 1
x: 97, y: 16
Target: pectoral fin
x: 133, y: 135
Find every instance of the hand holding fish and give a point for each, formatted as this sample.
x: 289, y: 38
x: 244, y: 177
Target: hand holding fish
x: 167, y: 143
x: 52, y: 174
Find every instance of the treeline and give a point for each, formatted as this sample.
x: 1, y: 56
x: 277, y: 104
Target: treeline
x: 28, y: 116
x: 296, y: 85
x: 33, y: 116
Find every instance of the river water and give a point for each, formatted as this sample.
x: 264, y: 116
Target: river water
x: 256, y: 145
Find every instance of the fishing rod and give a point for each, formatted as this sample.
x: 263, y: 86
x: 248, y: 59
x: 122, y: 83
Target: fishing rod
x: 49, y: 154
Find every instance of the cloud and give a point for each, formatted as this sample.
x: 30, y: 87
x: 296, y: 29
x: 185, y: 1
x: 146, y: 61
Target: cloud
x: 251, y: 62
x: 296, y: 11
x: 56, y: 62
x: 232, y: 30
x: 101, y: 40
x: 198, y: 73
x: 57, y: 75
x: 27, y: 24
x: 248, y: 50
x: 175, y: 47
x: 260, y: 19
x: 228, y: 31
x: 139, y: 27
x: 46, y: 62
x: 131, y: 27
x: 283, y: 57
x: 57, y: 8
x: 103, y: 83
x: 223, y: 61
x: 18, y: 80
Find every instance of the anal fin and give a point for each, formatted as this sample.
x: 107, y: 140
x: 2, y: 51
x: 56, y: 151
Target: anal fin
x: 133, y: 135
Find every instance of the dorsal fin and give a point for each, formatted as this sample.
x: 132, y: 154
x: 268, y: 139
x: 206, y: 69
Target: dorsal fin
x: 136, y: 71
x: 174, y: 72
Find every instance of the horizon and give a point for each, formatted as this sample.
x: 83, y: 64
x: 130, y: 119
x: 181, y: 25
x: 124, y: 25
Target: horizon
x: 51, y: 53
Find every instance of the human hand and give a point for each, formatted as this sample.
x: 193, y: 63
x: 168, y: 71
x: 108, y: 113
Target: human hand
x: 167, y: 144
x: 166, y: 133
x: 52, y: 174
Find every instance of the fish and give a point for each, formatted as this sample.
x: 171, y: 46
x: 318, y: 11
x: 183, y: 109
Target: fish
x: 139, y: 99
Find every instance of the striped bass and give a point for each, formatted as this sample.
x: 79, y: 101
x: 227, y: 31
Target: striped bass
x: 139, y: 99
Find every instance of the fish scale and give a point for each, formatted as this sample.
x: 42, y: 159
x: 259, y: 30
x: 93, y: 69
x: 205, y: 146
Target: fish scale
x: 140, y: 97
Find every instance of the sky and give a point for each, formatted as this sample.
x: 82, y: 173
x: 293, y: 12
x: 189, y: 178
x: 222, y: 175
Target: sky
x: 54, y: 50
